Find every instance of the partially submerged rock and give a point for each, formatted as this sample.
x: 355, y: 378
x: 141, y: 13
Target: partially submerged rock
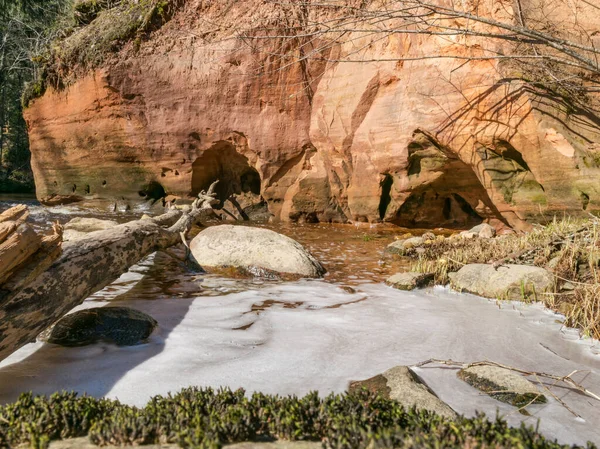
x: 401, y: 246
x: 245, y: 247
x: 502, y: 384
x: 515, y: 282
x: 120, y: 325
x: 403, y: 385
x: 410, y: 281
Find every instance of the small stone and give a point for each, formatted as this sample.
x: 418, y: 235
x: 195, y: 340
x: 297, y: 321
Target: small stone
x: 402, y: 384
x: 401, y: 246
x: 120, y: 325
x: 428, y: 236
x: 410, y: 281
x: 502, y: 384
x: 484, y: 231
x: 412, y: 242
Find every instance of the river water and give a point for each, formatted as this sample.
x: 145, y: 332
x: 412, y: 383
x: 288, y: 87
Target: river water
x: 295, y: 337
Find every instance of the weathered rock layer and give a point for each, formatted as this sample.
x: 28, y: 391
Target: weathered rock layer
x: 417, y: 142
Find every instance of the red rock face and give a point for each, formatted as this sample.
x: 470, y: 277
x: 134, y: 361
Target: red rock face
x: 425, y: 142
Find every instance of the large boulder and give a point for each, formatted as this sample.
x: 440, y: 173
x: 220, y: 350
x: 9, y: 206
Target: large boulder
x: 251, y: 248
x: 120, y: 325
x: 515, y: 282
x: 402, y: 384
x: 502, y: 384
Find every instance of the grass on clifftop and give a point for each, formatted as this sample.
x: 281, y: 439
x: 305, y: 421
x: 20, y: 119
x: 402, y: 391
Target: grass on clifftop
x: 569, y: 248
x: 204, y: 418
x: 82, y: 48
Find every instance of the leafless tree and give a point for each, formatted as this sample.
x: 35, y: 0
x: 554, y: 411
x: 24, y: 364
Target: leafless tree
x: 551, y: 42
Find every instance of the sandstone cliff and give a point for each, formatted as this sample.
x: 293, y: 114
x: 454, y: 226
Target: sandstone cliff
x: 418, y: 142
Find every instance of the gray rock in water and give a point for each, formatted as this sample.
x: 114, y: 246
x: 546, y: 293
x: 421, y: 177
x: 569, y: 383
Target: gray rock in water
x: 502, y: 384
x: 120, y: 325
x: 401, y: 246
x: 252, y: 248
x: 515, y: 282
x: 402, y: 384
x: 410, y: 281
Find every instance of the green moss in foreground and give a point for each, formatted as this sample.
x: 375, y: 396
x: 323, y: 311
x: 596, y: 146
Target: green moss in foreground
x: 204, y: 418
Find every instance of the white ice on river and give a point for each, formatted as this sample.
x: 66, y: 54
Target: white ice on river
x: 292, y: 338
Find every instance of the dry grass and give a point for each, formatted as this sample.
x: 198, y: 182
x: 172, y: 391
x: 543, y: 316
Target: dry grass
x: 568, y: 247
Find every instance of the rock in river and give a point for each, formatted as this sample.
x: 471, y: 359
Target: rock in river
x: 246, y: 247
x: 502, y: 384
x: 410, y: 281
x: 120, y: 325
x: 403, y: 385
x: 516, y: 282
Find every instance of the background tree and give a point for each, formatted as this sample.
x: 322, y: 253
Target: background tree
x: 25, y: 28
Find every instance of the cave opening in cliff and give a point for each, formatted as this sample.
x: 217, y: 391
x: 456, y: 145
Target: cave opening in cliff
x: 386, y: 197
x: 153, y: 191
x: 232, y: 169
x: 431, y: 209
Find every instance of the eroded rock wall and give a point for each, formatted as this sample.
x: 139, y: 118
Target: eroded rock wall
x: 391, y: 136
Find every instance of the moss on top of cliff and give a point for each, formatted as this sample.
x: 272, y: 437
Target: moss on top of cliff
x: 88, y: 46
x: 107, y: 27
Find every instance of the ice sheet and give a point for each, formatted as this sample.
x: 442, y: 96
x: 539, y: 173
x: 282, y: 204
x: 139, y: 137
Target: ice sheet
x: 296, y: 337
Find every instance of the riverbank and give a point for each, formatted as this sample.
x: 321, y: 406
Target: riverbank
x: 568, y: 249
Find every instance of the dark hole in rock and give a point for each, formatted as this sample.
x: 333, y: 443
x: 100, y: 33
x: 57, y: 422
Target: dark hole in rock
x: 430, y: 209
x: 103, y: 183
x: 414, y: 164
x: 153, y: 191
x: 232, y: 169
x: 87, y: 189
x: 447, y: 208
x: 508, y: 152
x: 585, y: 200
x: 385, y: 199
x: 74, y: 188
x: 250, y: 182
x: 472, y: 216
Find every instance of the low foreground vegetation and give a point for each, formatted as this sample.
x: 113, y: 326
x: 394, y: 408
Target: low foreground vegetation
x: 569, y: 248
x: 204, y: 418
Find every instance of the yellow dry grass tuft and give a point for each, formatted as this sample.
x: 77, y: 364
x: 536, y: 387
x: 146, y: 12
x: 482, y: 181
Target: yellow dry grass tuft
x: 568, y: 247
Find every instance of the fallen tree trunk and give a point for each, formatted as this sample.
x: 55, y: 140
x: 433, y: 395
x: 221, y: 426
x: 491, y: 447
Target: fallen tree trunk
x: 85, y: 267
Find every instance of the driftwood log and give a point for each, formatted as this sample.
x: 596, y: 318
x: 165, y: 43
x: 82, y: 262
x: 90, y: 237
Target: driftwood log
x: 43, y: 291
